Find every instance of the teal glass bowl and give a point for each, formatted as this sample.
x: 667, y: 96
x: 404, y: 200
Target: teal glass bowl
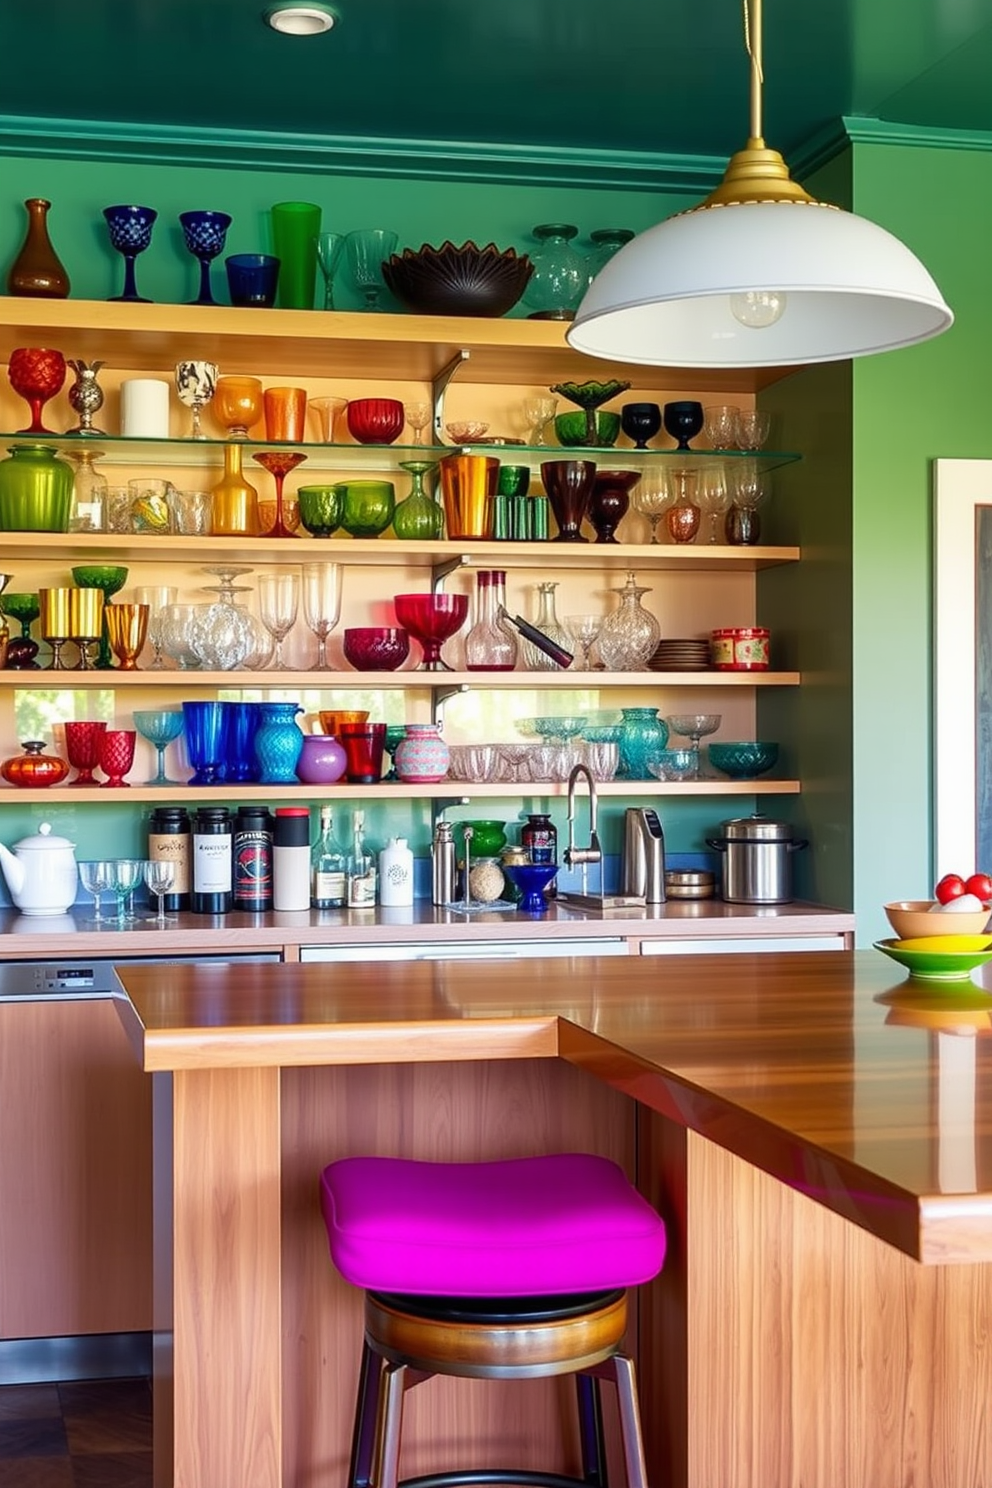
x: 743, y: 759
x: 935, y: 966
x: 572, y: 430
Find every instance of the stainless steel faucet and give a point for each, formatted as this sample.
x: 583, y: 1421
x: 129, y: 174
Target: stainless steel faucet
x: 582, y: 856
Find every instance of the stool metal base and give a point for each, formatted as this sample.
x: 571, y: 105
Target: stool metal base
x: 410, y: 1339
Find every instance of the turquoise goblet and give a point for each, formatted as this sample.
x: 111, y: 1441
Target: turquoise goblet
x: 159, y: 726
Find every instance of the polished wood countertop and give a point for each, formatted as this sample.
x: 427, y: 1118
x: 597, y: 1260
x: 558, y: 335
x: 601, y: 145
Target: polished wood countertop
x: 869, y: 1093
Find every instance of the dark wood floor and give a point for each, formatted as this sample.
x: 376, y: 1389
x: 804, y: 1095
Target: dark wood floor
x: 89, y: 1434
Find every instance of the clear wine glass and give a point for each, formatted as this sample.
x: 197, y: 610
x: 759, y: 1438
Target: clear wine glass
x: 127, y: 874
x: 694, y: 726
x: 160, y: 876
x: 365, y: 251
x: 157, y: 597
x: 321, y: 603
x: 652, y: 497
x: 97, y: 877
x: 278, y: 605
x: 749, y: 485
x: 329, y: 246
x: 539, y: 411
x: 584, y: 630
x: 418, y: 416
x: 714, y: 496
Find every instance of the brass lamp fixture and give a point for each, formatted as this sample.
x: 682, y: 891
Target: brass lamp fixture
x: 759, y: 274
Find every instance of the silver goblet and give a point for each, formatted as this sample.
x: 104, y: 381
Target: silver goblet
x: 85, y: 396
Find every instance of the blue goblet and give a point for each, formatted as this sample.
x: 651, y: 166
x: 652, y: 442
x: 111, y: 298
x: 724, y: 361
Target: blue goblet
x: 159, y: 726
x: 531, y: 879
x: 130, y: 233
x: 205, y: 233
x: 207, y: 741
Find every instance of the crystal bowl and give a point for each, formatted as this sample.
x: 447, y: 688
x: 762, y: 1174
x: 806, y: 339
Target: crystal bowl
x: 475, y: 762
x: 910, y: 918
x: 450, y: 280
x: 743, y: 759
x: 674, y: 764
x: 376, y: 648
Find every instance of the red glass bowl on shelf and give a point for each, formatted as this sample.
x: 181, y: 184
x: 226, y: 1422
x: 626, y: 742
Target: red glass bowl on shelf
x: 375, y: 420
x: 431, y: 619
x: 376, y: 648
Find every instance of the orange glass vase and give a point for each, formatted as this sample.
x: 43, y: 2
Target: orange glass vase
x: 37, y: 270
x: 234, y: 503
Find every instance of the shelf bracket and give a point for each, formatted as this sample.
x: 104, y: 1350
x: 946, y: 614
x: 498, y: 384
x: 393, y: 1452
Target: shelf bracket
x: 439, y: 384
x: 440, y: 695
x: 440, y: 571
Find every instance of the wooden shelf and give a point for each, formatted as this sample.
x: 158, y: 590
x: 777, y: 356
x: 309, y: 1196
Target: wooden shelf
x: 330, y: 681
x: 332, y: 344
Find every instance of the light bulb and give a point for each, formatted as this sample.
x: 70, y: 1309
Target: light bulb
x: 758, y: 308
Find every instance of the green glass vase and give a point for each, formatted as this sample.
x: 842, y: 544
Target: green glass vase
x: 35, y: 490
x: 418, y: 516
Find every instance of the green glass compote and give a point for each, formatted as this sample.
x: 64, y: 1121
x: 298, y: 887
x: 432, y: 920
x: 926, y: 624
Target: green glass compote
x: 589, y: 396
x: 110, y: 577
x: 21, y: 607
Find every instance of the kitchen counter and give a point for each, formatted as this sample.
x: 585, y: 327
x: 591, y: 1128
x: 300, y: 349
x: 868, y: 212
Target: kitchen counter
x: 812, y: 1126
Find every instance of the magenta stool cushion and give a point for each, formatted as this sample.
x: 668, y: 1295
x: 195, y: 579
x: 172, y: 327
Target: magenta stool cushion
x: 527, y: 1227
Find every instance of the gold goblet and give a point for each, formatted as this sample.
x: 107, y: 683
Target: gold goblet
x: 238, y: 404
x: 86, y: 623
x: 54, y: 622
x: 127, y: 627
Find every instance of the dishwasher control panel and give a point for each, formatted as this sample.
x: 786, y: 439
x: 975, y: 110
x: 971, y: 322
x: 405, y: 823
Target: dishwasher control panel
x: 31, y: 981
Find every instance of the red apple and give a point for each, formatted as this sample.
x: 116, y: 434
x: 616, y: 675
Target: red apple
x: 979, y: 884
x: 951, y: 886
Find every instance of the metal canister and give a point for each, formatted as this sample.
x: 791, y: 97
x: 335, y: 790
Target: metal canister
x: 444, y: 867
x: 757, y: 860
x: 253, y: 828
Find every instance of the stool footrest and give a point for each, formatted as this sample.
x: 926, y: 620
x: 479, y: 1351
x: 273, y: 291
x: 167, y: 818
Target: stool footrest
x: 490, y: 1477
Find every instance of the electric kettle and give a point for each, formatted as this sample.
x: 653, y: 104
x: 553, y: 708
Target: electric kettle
x: 643, y: 873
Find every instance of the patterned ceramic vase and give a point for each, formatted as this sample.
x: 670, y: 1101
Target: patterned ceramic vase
x: 278, y: 744
x: 422, y: 755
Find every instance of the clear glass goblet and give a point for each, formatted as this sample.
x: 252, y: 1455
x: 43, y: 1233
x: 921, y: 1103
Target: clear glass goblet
x: 160, y: 876
x: 713, y: 494
x: 157, y: 597
x: 278, y: 605
x: 652, y: 497
x: 97, y: 877
x: 127, y: 875
x: 321, y: 603
x: 539, y: 411
x: 365, y: 251
x: 159, y: 726
x: 749, y: 485
x: 196, y: 383
x: 329, y: 246
x: 584, y: 630
x: 418, y: 416
x: 753, y: 428
x: 694, y: 726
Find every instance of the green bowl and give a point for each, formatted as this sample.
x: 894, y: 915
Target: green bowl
x: 571, y: 430
x: 935, y: 966
x: 106, y: 576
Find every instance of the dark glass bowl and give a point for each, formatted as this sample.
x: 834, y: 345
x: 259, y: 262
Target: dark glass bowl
x: 458, y: 281
x: 376, y: 648
x: 743, y: 759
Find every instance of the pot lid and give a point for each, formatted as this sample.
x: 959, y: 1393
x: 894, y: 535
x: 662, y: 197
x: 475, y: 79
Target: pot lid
x: 756, y: 829
x: 43, y: 841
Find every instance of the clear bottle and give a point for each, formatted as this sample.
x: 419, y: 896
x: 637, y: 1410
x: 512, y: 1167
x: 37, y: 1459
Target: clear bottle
x: 89, y: 492
x: 490, y: 645
x: 546, y: 620
x: 328, y: 885
x: 629, y: 636
x: 360, y: 871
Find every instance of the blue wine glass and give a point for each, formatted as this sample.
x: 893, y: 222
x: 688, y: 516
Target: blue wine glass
x: 130, y: 233
x: 207, y: 726
x: 205, y: 233
x: 159, y: 726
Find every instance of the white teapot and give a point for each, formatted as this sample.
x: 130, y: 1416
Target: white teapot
x: 41, y: 873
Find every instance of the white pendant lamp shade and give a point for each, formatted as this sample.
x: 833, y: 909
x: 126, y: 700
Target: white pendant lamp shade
x: 850, y: 288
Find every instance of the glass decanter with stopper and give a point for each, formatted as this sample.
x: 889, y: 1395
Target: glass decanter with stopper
x: 490, y: 645
x: 534, y: 659
x: 629, y: 636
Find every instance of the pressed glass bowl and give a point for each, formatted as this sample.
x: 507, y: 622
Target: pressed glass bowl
x: 376, y: 648
x: 674, y: 764
x: 465, y: 280
x: 572, y: 430
x: 743, y: 759
x: 559, y: 727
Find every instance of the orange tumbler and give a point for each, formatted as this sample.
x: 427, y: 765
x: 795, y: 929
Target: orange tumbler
x: 285, y: 413
x: 468, y: 484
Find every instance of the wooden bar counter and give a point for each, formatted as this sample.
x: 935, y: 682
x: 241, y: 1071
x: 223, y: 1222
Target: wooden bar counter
x: 816, y: 1130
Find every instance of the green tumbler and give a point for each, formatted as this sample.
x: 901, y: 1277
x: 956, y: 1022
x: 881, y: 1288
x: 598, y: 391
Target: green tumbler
x: 295, y: 226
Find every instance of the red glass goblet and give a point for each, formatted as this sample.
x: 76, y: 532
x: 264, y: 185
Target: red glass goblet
x: 116, y: 755
x: 82, y: 746
x: 431, y: 619
x: 36, y: 374
x: 609, y: 501
x: 279, y: 463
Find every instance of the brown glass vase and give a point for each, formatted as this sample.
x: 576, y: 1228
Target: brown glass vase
x: 37, y: 270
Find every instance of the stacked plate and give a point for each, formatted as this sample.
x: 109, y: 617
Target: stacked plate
x: 686, y: 655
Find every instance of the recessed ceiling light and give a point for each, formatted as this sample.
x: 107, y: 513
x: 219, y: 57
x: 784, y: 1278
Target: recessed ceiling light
x: 300, y: 20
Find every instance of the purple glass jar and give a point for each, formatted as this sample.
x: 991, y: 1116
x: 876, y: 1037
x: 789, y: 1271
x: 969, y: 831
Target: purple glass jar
x: 322, y: 760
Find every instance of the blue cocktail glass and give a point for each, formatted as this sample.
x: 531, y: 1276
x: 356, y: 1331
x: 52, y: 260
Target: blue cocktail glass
x: 205, y: 233
x: 207, y: 726
x: 130, y: 233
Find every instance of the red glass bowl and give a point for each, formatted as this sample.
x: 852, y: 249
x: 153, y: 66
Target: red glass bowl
x: 431, y: 619
x: 376, y: 648
x: 375, y: 420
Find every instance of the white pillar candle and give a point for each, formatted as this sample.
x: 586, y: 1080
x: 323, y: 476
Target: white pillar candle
x: 145, y: 408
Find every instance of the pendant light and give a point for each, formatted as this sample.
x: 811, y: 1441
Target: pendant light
x: 760, y: 274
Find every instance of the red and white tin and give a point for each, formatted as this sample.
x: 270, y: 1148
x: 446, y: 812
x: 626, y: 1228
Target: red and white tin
x: 741, y: 648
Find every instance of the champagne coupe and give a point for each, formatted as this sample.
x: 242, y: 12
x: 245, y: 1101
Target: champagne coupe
x: 97, y: 876
x: 365, y: 251
x: 157, y: 597
x: 714, y: 496
x: 160, y: 876
x: 329, y: 246
x: 321, y: 603
x: 127, y: 630
x: 36, y: 373
x: 418, y: 416
x: 279, y: 463
x: 652, y: 496
x: 584, y: 630
x: 539, y: 411
x: 130, y: 231
x: 694, y: 726
x: 159, y: 726
x: 238, y: 404
x: 82, y: 748
x: 278, y: 603
x: 205, y: 233
x: 196, y: 383
x: 86, y: 623
x: 55, y: 625
x: 127, y: 874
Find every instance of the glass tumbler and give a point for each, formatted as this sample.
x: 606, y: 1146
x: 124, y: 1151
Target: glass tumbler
x: 363, y: 745
x: 468, y: 484
x: 295, y: 226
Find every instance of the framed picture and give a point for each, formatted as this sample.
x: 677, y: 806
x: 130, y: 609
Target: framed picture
x: 962, y: 665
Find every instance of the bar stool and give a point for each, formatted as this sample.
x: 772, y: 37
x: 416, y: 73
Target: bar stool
x: 494, y: 1270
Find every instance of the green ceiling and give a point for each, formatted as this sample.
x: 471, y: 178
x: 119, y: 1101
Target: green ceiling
x: 532, y: 78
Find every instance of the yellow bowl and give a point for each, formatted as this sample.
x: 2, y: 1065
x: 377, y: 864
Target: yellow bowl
x: 910, y: 918
x: 945, y: 943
